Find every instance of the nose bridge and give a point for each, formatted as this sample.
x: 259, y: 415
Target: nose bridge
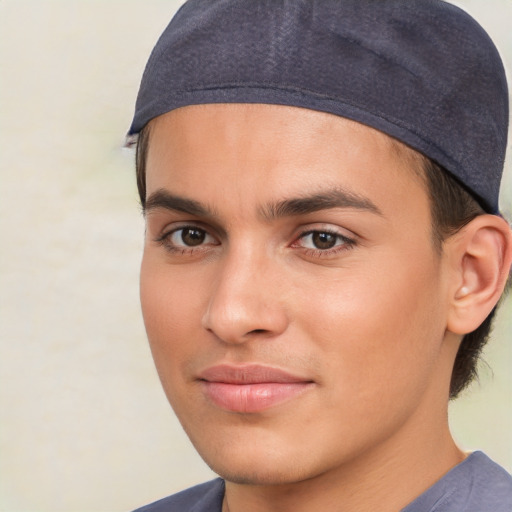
x: 244, y: 301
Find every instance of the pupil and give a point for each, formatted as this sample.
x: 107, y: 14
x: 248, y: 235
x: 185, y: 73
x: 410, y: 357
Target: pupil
x: 324, y: 240
x: 193, y: 236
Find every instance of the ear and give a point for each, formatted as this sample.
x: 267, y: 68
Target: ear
x: 480, y: 257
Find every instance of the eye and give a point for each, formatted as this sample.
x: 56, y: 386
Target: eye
x: 189, y: 236
x: 324, y: 241
x: 186, y: 239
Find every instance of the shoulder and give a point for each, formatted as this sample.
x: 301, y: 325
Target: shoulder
x: 491, y: 485
x: 476, y: 484
x: 205, y: 497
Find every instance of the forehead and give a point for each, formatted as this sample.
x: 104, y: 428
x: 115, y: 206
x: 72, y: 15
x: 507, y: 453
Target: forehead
x: 266, y: 151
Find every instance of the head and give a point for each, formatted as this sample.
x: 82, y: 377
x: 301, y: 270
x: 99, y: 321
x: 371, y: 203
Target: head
x: 307, y: 249
x: 323, y: 252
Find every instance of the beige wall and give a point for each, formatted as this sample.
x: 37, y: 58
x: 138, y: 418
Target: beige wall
x: 84, y: 425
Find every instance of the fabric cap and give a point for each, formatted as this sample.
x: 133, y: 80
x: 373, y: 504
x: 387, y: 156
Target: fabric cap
x: 422, y: 71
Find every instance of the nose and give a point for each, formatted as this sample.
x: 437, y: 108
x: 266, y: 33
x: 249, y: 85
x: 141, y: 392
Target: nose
x: 245, y: 302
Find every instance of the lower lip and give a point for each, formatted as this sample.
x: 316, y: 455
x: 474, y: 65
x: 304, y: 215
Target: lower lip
x: 251, y: 398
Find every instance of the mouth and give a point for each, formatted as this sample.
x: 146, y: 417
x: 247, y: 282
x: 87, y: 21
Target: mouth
x: 250, y: 388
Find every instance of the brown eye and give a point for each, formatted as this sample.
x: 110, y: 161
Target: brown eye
x: 323, y: 240
x: 192, y: 236
x: 188, y: 240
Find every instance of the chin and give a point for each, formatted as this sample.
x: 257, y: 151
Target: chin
x: 251, y: 473
x: 257, y: 459
x: 256, y: 478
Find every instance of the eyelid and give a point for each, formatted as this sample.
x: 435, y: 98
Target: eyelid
x: 171, y: 227
x: 347, y: 241
x: 326, y: 231
x: 324, y: 227
x: 167, y: 233
x: 160, y: 221
x: 174, y: 232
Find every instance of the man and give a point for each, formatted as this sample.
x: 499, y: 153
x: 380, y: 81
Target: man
x: 324, y: 250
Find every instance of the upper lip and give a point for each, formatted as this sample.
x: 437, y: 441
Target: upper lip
x: 248, y: 374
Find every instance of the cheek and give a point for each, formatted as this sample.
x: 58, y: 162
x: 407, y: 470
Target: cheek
x: 171, y: 307
x: 380, y: 332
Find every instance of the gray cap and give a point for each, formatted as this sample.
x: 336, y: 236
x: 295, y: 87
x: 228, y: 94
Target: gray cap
x: 422, y: 71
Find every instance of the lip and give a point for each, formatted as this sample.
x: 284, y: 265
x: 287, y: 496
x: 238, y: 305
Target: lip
x: 250, y: 388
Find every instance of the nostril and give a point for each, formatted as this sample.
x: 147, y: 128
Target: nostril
x: 237, y: 316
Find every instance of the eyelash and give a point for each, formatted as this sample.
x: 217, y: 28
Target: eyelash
x: 346, y: 242
x: 165, y: 240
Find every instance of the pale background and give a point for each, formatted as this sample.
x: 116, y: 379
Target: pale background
x: 84, y: 425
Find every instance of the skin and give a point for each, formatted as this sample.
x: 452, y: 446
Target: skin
x: 364, y: 322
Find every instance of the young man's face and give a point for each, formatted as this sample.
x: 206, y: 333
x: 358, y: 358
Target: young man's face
x: 294, y: 303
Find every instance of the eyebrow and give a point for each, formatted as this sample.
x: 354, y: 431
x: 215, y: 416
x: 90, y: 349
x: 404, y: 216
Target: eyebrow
x: 165, y: 200
x: 332, y: 198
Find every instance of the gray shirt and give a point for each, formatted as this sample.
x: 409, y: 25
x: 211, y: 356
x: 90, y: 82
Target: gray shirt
x: 475, y: 485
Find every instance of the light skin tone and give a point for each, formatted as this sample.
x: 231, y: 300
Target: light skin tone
x: 283, y: 241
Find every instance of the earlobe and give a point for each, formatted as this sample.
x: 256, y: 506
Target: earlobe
x: 481, y: 255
